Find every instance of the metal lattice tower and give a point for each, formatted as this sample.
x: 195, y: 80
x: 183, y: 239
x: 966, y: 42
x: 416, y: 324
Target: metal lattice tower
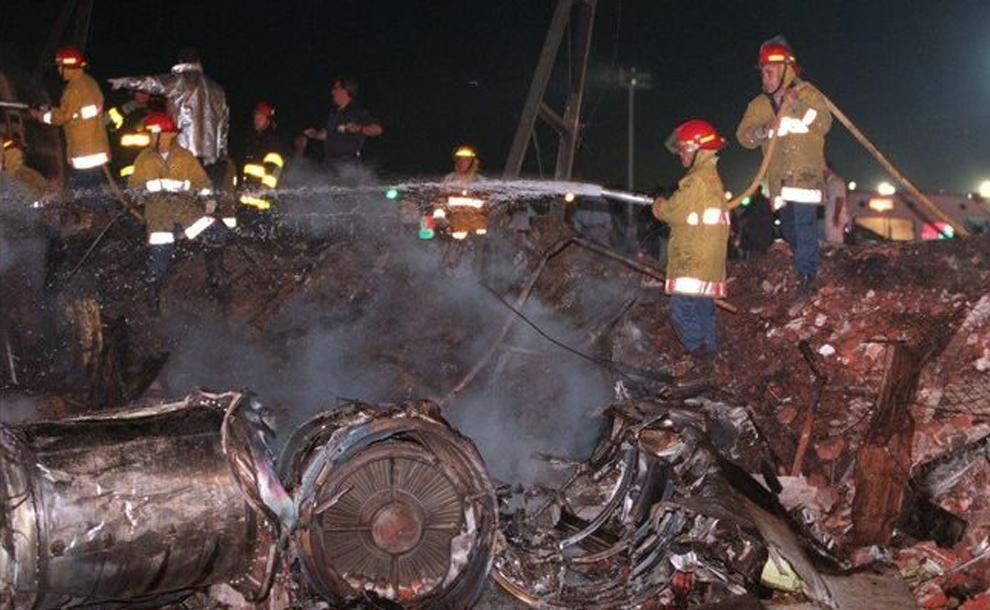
x: 580, y: 15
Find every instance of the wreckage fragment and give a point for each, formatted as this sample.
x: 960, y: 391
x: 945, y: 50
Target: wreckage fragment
x: 883, y: 462
x: 650, y: 518
x: 129, y: 505
x: 393, y: 504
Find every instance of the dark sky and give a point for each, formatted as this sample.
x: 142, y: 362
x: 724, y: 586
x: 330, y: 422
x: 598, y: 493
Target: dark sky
x: 915, y: 75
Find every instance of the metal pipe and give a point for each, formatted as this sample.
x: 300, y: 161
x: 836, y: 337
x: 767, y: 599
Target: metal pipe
x: 128, y: 505
x: 631, y: 133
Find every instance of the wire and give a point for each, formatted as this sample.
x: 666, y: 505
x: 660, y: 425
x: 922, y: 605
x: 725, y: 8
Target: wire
x: 603, y: 362
x: 615, y: 61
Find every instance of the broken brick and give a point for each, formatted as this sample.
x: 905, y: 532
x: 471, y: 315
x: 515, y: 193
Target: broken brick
x: 830, y: 449
x: 980, y: 602
x: 786, y: 415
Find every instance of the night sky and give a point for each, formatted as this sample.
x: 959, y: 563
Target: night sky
x: 915, y: 75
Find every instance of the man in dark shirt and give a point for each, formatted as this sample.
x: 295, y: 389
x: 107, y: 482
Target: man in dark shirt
x: 347, y: 127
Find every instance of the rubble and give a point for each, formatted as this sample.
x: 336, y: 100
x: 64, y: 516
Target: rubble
x: 371, y: 313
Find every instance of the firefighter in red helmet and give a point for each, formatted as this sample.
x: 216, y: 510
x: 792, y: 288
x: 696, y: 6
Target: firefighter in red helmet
x: 262, y: 170
x: 174, y: 188
x: 698, y: 216
x: 795, y: 177
x: 80, y: 114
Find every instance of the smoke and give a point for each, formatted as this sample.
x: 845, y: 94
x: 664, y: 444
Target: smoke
x: 386, y: 317
x: 18, y: 409
x: 18, y: 235
x: 347, y: 303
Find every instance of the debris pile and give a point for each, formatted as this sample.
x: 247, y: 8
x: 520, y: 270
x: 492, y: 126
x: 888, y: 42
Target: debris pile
x: 930, y: 300
x: 650, y: 517
x: 874, y: 390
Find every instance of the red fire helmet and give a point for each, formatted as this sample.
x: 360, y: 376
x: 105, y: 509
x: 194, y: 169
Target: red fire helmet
x: 774, y: 52
x: 265, y: 108
x: 159, y: 122
x: 69, y: 57
x: 699, y: 133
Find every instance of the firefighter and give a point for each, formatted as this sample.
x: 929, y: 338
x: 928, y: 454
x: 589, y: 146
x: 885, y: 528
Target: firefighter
x: 15, y: 169
x: 126, y: 123
x: 466, y: 166
x: 698, y: 216
x: 263, y: 164
x: 80, y: 114
x: 462, y: 213
x: 795, y: 178
x: 171, y: 180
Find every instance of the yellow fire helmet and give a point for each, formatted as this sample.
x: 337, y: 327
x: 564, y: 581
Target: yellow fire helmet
x: 465, y: 152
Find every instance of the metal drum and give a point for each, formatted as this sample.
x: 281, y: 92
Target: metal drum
x: 128, y: 506
x: 393, y: 504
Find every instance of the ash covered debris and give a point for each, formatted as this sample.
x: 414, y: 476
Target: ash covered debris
x: 665, y: 514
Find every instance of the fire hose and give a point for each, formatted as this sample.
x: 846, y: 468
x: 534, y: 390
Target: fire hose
x: 887, y: 165
x: 638, y: 199
x: 119, y: 195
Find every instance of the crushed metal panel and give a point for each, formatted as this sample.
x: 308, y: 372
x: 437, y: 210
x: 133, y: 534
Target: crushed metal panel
x: 127, y: 505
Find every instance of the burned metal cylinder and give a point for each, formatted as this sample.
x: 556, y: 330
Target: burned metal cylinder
x: 126, y: 506
x: 393, y: 504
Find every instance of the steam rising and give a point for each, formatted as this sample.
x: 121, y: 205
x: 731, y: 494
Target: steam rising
x: 386, y: 317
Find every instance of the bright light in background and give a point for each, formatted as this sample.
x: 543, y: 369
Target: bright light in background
x: 746, y: 201
x: 985, y: 189
x: 728, y: 195
x: 392, y: 193
x: 881, y: 204
x: 852, y: 185
x: 569, y: 197
x: 885, y: 188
